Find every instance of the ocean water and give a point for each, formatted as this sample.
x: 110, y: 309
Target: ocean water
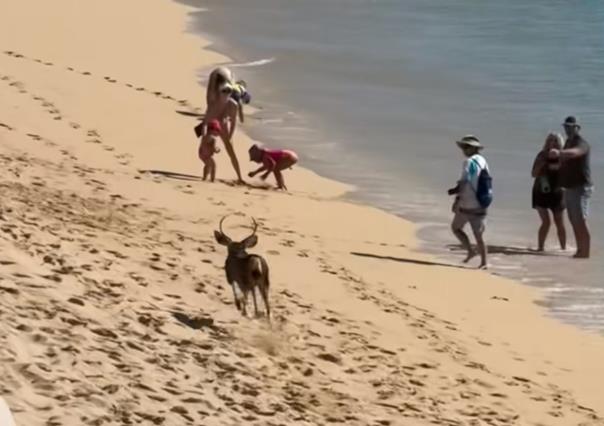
x: 375, y: 92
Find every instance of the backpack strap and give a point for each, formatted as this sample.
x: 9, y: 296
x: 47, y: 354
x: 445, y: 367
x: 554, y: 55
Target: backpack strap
x: 480, y: 169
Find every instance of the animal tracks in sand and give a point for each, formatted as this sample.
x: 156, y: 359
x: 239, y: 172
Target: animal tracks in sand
x: 6, y: 126
x: 112, y: 80
x: 56, y: 114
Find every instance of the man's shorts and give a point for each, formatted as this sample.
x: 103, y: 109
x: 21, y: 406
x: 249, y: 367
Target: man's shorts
x: 577, y: 202
x: 476, y: 219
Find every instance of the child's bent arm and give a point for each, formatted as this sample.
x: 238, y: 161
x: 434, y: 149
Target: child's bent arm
x: 255, y: 172
x: 269, y: 163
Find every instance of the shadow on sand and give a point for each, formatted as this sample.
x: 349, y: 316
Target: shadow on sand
x: 171, y: 175
x: 508, y: 250
x: 190, y: 114
x: 407, y: 260
x: 195, y: 323
x: 187, y: 177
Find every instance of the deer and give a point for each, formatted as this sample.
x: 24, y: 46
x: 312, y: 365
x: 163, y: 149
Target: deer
x: 248, y: 271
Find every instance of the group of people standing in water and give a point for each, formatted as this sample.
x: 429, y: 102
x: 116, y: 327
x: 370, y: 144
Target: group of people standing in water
x: 225, y: 99
x: 562, y: 181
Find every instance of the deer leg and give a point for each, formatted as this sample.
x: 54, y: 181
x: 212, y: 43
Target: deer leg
x: 255, y: 304
x: 237, y: 304
x: 264, y: 294
x: 244, y: 304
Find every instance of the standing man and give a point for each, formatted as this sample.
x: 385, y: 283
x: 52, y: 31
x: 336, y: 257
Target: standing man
x: 575, y: 177
x: 469, y: 205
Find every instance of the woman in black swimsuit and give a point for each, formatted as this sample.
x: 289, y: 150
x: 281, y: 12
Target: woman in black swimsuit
x: 547, y: 192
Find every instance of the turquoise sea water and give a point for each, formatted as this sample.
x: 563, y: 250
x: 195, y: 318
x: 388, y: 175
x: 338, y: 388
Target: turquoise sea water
x: 374, y: 92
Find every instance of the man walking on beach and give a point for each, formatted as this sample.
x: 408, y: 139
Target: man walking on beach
x: 469, y: 205
x: 575, y: 177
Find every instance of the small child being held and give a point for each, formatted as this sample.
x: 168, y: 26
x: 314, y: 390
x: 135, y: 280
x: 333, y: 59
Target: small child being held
x: 241, y: 95
x: 273, y: 161
x: 207, y: 149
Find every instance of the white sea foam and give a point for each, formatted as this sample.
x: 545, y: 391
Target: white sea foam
x: 251, y: 64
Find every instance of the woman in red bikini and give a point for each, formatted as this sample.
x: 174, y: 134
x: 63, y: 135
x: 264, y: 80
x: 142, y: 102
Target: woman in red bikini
x: 273, y: 161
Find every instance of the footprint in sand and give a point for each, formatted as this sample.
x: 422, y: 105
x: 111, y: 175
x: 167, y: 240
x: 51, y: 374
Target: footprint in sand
x: 17, y: 84
x: 34, y: 136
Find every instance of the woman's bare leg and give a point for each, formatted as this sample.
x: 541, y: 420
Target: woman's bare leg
x: 559, y: 221
x: 544, y: 228
x: 234, y: 161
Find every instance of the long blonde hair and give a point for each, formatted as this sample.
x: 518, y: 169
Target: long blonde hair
x: 219, y: 78
x: 553, y: 138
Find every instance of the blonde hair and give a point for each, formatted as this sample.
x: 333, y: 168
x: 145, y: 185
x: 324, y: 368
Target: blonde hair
x: 557, y: 139
x: 220, y: 78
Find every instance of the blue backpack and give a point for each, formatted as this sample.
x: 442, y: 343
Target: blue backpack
x: 484, y: 191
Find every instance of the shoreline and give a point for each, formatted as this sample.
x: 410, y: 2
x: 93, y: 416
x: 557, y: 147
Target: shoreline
x: 433, y: 236
x: 104, y: 262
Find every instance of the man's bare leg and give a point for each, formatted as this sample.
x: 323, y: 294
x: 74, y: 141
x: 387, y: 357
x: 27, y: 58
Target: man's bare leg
x: 583, y: 239
x: 465, y: 243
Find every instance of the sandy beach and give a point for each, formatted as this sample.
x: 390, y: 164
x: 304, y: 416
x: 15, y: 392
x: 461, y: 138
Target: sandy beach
x: 114, y: 309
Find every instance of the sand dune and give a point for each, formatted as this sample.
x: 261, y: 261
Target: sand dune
x: 113, y: 304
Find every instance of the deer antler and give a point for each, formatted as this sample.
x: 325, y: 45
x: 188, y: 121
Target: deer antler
x: 220, y: 225
x: 255, y: 228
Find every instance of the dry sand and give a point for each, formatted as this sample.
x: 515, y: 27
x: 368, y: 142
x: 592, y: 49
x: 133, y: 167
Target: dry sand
x: 113, y: 304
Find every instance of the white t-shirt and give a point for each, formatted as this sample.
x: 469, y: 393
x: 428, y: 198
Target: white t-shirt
x: 472, y: 167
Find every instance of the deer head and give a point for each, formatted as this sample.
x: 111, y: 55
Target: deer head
x: 235, y: 248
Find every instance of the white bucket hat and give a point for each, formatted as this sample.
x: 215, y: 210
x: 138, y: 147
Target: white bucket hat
x: 469, y: 141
